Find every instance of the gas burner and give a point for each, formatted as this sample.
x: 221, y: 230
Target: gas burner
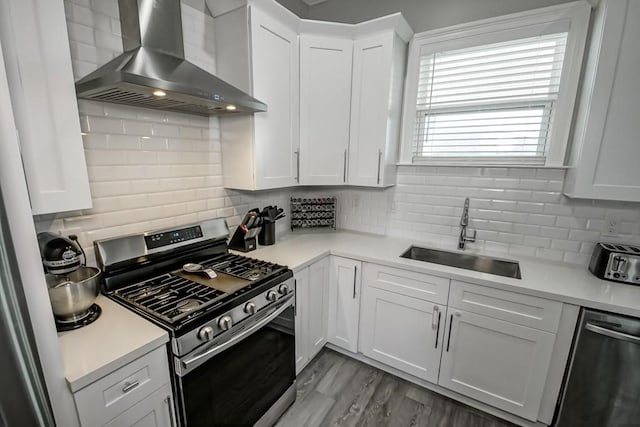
x: 254, y: 274
x: 188, y: 305
x: 170, y: 297
x: 243, y: 267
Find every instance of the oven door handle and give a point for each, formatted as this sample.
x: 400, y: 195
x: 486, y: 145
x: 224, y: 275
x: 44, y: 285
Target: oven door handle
x: 189, y: 363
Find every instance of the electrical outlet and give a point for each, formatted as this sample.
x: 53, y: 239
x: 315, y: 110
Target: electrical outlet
x: 611, y: 227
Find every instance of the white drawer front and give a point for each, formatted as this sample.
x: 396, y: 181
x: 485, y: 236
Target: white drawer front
x: 418, y: 285
x: 513, y: 307
x: 112, y: 394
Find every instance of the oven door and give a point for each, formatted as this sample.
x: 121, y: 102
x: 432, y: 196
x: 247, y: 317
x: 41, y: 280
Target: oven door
x: 248, y: 377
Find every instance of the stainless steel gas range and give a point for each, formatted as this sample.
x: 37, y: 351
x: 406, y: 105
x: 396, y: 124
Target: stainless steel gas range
x: 230, y: 318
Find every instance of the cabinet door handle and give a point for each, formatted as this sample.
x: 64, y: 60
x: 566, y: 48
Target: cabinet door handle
x: 295, y: 303
x: 355, y: 274
x: 344, y: 167
x: 450, y: 329
x: 434, y: 319
x: 130, y: 386
x: 171, y: 420
x: 297, y: 166
x: 438, y: 329
x: 379, y: 163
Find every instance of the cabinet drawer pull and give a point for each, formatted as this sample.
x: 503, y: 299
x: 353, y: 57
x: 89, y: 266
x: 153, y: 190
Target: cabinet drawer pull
x: 355, y: 274
x: 434, y: 318
x: 297, y: 166
x: 130, y: 386
x: 438, y: 329
x: 169, y: 407
x: 295, y: 303
x: 450, y: 329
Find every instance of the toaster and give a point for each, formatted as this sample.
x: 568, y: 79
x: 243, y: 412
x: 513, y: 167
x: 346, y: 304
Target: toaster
x: 616, y: 262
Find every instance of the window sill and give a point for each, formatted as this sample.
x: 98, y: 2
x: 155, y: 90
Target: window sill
x: 480, y: 165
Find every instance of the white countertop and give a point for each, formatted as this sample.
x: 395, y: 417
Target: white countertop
x: 561, y: 282
x: 118, y: 337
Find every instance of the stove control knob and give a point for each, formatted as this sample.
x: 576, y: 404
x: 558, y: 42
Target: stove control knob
x: 225, y: 323
x: 250, y: 308
x: 205, y: 333
x: 272, y: 296
x: 283, y: 289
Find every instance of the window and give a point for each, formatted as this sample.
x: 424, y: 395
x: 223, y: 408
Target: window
x: 495, y: 92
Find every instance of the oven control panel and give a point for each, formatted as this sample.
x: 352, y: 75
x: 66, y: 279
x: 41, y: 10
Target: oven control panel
x: 170, y: 237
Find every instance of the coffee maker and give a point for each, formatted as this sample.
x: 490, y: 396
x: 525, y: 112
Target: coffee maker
x: 73, y: 287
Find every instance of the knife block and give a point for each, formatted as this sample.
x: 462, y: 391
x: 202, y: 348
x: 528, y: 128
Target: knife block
x: 240, y: 242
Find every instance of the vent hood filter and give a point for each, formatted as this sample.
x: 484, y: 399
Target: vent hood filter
x: 153, y: 61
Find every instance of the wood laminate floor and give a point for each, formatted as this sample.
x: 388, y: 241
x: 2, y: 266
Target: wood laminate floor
x: 335, y: 390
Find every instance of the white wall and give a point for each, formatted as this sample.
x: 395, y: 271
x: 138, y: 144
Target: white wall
x: 422, y: 15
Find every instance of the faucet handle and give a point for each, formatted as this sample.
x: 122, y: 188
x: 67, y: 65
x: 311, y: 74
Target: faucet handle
x: 471, y: 238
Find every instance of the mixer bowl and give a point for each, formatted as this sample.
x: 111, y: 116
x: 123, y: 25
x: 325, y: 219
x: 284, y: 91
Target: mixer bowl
x: 74, y: 293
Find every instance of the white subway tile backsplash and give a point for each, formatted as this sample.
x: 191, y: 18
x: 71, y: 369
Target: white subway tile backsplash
x: 584, y: 235
x: 571, y: 222
x: 541, y: 219
x: 531, y: 218
x: 123, y: 142
x: 105, y: 125
x: 549, y: 254
x: 537, y: 242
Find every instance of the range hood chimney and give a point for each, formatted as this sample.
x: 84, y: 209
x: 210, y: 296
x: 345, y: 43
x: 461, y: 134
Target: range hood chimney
x: 152, y: 71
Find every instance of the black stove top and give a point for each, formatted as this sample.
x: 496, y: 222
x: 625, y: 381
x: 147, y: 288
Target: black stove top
x: 178, y: 297
x: 144, y: 272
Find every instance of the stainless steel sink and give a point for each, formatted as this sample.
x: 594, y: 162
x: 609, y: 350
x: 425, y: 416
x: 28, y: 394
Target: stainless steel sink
x: 479, y: 263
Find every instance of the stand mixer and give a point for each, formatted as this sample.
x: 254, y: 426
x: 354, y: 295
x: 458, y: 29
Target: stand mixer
x: 73, y: 287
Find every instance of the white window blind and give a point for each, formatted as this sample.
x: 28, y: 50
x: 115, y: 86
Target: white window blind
x: 493, y: 102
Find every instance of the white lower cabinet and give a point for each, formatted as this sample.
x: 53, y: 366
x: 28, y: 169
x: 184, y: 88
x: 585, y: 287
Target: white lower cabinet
x: 138, y: 393
x: 301, y: 281
x: 403, y: 332
x: 312, y: 299
x: 344, y: 302
x: 496, y: 362
x: 491, y: 345
x: 153, y: 411
x: 318, y: 306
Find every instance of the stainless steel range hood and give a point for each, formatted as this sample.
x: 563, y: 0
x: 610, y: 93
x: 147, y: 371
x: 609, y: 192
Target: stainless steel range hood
x: 152, y: 71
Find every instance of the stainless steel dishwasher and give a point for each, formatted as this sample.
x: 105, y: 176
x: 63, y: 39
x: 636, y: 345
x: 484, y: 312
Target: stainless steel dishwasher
x: 602, y: 387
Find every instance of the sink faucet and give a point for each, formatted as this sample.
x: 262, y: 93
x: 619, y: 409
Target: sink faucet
x: 464, y: 222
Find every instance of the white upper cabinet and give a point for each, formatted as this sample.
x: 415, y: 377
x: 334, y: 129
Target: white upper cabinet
x: 376, y: 105
x: 38, y: 63
x: 351, y: 88
x: 260, y: 151
x: 325, y: 104
x: 606, y: 146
